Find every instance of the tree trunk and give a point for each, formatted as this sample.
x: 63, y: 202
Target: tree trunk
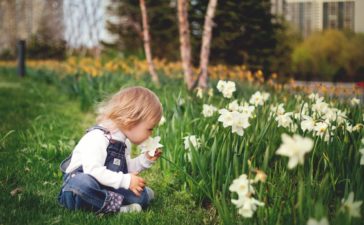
x: 146, y: 40
x: 206, y: 41
x: 184, y: 37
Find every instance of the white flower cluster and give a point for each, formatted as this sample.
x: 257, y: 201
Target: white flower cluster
x: 259, y: 98
x: 208, y: 110
x: 237, y: 117
x: 245, y: 203
x: 316, y: 117
x: 227, y: 88
x: 284, y: 119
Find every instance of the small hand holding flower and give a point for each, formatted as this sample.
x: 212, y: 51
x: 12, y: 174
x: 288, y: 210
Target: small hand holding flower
x: 157, y: 154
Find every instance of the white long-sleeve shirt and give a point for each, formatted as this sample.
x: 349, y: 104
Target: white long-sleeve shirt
x: 90, y: 153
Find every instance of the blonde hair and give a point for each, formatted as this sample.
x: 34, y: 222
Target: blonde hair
x: 129, y: 106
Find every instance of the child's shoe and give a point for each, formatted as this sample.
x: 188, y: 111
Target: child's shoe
x: 150, y: 193
x: 135, y: 207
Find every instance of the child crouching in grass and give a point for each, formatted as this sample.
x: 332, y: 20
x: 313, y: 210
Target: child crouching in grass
x: 100, y: 175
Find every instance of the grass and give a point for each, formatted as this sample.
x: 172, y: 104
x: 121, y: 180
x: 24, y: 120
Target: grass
x: 54, y: 124
x: 39, y: 127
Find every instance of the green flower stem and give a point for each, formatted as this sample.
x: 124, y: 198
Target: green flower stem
x: 189, y: 176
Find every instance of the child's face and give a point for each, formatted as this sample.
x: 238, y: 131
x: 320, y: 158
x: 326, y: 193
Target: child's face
x: 140, y: 132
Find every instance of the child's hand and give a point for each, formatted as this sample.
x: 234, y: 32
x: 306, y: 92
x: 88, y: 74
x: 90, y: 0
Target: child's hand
x: 136, y: 184
x: 157, y: 154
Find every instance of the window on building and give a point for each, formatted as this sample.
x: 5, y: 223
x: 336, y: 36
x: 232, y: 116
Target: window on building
x: 338, y: 15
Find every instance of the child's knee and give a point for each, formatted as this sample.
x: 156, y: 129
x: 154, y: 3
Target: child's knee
x: 82, y: 182
x: 67, y: 199
x: 80, y: 191
x: 145, y: 197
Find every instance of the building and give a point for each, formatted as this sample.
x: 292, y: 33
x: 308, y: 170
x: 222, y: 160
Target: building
x: 308, y: 16
x: 278, y: 7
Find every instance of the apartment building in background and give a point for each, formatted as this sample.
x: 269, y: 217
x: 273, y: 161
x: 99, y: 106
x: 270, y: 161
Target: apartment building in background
x: 308, y: 16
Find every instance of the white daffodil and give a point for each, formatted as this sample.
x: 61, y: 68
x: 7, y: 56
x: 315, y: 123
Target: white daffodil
x: 247, y: 206
x: 256, y: 99
x: 307, y: 123
x: 323, y: 221
x: 362, y: 156
x: 221, y: 85
x: 341, y: 116
x: 151, y: 145
x: 353, y: 208
x: 242, y: 186
x: 227, y: 88
x: 320, y: 107
x: 208, y: 110
x: 321, y: 129
x: 298, y: 97
x: 330, y: 115
x: 260, y: 176
x: 240, y: 122
x: 295, y: 148
x: 284, y: 120
x: 277, y: 109
x: 245, y: 203
x: 226, y: 117
x: 234, y: 106
x: 246, y: 109
x: 355, y: 101
x: 230, y: 88
x: 162, y: 121
x: 266, y: 96
x: 315, y: 97
x: 191, y: 141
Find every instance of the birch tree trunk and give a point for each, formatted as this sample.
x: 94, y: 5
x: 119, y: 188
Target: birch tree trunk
x: 206, y: 42
x: 185, y: 46
x: 146, y: 40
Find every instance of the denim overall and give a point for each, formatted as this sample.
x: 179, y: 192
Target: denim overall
x: 82, y: 191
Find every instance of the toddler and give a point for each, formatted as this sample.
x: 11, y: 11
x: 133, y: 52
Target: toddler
x: 100, y: 175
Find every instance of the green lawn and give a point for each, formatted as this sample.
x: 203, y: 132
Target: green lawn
x: 39, y: 127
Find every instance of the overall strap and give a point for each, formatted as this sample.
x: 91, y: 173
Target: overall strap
x: 103, y: 129
x: 65, y: 163
x: 97, y: 127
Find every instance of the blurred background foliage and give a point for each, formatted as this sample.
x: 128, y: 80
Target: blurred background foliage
x: 244, y: 33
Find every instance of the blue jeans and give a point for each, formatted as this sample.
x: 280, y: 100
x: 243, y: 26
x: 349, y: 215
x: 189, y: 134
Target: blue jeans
x: 82, y: 191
